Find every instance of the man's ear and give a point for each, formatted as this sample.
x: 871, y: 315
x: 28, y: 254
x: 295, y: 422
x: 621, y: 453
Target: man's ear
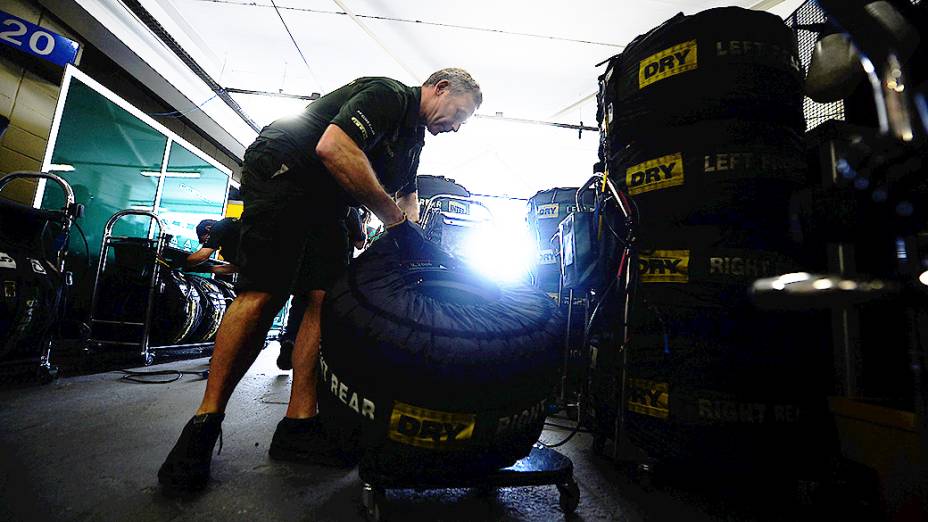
x: 442, y: 86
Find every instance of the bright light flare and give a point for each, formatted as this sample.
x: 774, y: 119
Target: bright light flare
x: 499, y: 252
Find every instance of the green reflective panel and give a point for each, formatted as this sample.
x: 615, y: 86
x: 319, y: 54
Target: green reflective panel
x: 194, y: 190
x: 110, y: 150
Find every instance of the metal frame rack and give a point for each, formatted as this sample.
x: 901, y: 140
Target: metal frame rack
x: 156, y: 244
x: 66, y: 216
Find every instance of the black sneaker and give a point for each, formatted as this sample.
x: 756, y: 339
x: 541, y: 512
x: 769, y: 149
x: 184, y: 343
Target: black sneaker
x: 187, y: 466
x: 285, y: 359
x: 303, y: 440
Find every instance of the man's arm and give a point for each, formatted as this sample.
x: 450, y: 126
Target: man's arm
x: 353, y: 172
x: 409, y: 203
x: 224, y: 269
x: 198, y: 257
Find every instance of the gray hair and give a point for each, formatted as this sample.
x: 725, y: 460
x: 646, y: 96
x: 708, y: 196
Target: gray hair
x: 459, y: 82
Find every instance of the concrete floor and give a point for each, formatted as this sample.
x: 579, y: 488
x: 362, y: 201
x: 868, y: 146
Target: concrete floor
x: 88, y: 448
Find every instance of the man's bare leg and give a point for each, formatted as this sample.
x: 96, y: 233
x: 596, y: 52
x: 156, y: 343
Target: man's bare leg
x: 240, y: 337
x: 238, y: 342
x: 305, y: 358
x: 299, y: 435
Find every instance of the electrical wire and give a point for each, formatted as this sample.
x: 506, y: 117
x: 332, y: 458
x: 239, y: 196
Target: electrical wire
x: 423, y: 22
x: 142, y: 377
x: 563, y: 427
x: 573, y: 432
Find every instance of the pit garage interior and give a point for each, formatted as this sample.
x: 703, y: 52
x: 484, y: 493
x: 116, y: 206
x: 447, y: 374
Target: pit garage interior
x: 673, y: 267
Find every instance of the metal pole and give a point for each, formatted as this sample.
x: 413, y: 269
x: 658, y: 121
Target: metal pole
x: 570, y: 307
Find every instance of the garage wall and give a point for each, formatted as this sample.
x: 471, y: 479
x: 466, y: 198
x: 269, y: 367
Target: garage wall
x: 28, y: 100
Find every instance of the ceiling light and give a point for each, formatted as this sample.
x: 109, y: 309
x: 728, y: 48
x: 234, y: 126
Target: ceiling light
x: 60, y: 167
x: 169, y: 174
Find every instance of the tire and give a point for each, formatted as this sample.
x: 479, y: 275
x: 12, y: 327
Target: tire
x: 176, y: 310
x: 29, y: 296
x: 708, y: 266
x: 430, y: 186
x: 411, y: 348
x: 730, y: 172
x: 746, y: 66
x: 753, y: 432
x: 546, y: 210
x: 738, y: 388
x: 212, y: 306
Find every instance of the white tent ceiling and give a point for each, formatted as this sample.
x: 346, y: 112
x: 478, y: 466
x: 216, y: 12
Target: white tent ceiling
x: 534, y: 59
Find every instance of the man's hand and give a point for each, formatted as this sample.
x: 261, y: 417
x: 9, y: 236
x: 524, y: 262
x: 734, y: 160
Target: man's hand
x: 408, y: 238
x: 409, y: 204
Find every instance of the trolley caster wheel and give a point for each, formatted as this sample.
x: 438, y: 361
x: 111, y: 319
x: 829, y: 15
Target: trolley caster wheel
x: 373, y: 499
x: 46, y: 375
x: 569, y: 496
x: 148, y: 359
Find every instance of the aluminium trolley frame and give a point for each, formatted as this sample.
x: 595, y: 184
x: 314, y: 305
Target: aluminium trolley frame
x: 66, y: 216
x: 156, y: 245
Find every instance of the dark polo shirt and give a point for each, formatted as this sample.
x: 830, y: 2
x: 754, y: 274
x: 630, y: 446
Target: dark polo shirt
x: 379, y: 114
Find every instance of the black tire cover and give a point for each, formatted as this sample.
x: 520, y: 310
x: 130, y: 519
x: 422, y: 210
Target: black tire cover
x: 30, y: 290
x: 429, y: 186
x: 708, y: 266
x: 721, y: 63
x: 546, y: 209
x: 727, y: 172
x: 750, y: 409
x: 430, y: 368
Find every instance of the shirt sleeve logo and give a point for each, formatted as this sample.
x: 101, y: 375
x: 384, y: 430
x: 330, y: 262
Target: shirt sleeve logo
x: 360, y: 126
x: 366, y: 126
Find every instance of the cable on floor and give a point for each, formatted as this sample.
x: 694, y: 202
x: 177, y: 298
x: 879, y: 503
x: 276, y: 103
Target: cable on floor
x: 145, y: 377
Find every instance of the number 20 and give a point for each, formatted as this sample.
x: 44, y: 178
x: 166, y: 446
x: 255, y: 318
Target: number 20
x: 9, y: 36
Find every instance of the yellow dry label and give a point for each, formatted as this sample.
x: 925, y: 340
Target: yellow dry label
x: 426, y: 428
x: 649, y: 398
x: 664, y: 266
x: 547, y: 211
x: 655, y: 174
x: 669, y: 62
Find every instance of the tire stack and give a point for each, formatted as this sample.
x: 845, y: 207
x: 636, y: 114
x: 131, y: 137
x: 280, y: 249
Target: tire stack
x: 546, y: 210
x: 31, y: 286
x: 430, y: 370
x: 187, y: 308
x: 437, y: 229
x: 701, y: 124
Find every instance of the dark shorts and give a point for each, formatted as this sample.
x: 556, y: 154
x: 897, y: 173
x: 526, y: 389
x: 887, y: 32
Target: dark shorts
x: 290, y: 243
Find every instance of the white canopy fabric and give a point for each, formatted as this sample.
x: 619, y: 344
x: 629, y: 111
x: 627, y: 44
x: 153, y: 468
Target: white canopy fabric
x: 534, y: 60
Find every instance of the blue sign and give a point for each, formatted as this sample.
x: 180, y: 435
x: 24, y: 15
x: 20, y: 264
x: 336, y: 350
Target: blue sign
x: 37, y: 41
